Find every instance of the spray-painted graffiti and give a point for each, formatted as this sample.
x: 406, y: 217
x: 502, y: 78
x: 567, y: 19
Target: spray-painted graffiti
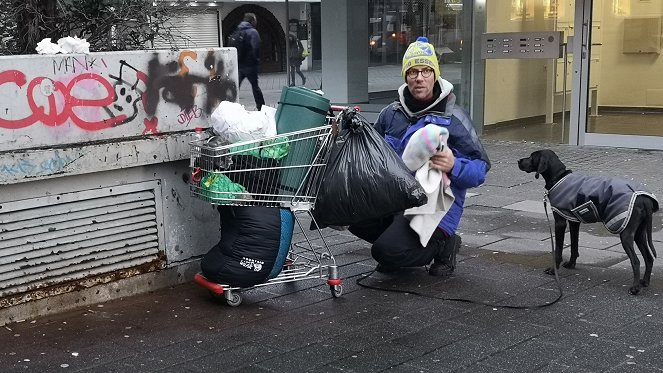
x: 178, y: 86
x: 52, y: 165
x: 74, y: 64
x: 186, y: 116
x: 62, y: 104
x: 150, y: 126
x: 92, y: 94
x: 126, y: 91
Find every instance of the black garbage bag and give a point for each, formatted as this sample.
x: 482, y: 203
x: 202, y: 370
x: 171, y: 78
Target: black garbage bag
x: 365, y: 179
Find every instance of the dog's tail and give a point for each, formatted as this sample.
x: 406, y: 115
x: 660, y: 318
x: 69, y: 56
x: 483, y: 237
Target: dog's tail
x: 649, y: 235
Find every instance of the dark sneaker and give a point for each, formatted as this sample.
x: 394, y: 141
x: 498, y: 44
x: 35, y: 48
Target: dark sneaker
x: 440, y: 269
x: 445, y: 262
x: 385, y: 269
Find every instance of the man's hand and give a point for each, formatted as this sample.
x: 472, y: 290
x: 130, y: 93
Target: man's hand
x: 443, y: 160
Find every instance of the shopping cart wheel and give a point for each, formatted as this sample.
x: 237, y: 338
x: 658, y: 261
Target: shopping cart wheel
x: 234, y: 299
x: 336, y: 290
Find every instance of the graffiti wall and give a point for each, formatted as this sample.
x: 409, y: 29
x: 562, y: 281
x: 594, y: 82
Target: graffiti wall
x: 52, y: 101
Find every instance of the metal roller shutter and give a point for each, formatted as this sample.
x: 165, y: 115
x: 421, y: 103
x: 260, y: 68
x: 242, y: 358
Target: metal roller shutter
x: 66, y: 238
x: 201, y: 30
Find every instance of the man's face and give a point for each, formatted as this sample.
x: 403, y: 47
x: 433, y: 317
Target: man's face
x: 420, y: 82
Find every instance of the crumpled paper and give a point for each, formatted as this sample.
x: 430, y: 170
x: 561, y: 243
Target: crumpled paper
x: 65, y: 45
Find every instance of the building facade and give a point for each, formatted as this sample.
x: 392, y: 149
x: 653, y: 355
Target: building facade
x: 604, y: 79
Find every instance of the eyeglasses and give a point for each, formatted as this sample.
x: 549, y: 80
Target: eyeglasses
x: 413, y: 73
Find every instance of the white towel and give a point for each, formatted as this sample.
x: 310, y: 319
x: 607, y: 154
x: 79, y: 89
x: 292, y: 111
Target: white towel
x: 423, y: 144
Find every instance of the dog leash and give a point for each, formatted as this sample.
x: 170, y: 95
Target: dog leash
x: 546, y: 201
x: 412, y: 292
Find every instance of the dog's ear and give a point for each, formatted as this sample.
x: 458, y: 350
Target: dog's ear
x: 542, y: 165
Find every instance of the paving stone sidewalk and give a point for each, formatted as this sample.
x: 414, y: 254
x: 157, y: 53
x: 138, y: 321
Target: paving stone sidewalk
x: 595, y: 327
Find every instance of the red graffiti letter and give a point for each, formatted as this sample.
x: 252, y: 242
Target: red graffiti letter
x: 73, y: 102
x: 18, y: 78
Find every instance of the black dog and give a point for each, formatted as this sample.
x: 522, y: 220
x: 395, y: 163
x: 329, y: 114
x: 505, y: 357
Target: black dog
x: 625, y: 208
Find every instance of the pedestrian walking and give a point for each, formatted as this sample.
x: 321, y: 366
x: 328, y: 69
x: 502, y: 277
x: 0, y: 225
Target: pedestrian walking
x: 423, y: 99
x: 295, y: 54
x: 247, y: 42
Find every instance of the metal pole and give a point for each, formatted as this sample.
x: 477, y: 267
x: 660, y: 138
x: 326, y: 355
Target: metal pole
x: 287, y: 42
x: 564, y: 91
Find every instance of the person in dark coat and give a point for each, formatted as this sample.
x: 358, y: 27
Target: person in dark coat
x: 296, y: 54
x: 249, y: 57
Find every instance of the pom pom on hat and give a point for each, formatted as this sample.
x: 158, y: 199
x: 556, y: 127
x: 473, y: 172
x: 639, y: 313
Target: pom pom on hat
x: 420, y: 53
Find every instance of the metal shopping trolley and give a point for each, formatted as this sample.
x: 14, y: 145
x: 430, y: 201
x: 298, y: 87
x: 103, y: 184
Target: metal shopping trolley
x: 285, y: 172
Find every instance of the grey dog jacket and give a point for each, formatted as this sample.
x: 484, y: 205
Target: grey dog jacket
x: 590, y: 199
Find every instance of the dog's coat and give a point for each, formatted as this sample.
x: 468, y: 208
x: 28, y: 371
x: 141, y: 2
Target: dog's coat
x: 592, y: 199
x: 624, y: 207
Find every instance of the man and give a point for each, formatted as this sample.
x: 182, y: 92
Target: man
x: 426, y: 98
x: 248, y: 56
x: 295, y: 55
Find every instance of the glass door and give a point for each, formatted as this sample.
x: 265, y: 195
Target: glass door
x: 627, y: 82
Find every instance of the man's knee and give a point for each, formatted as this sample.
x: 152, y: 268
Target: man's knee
x: 384, y: 254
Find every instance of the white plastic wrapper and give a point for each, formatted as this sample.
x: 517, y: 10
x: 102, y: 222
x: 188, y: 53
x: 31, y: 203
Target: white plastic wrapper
x: 65, y: 45
x: 74, y: 45
x: 232, y: 123
x: 45, y: 46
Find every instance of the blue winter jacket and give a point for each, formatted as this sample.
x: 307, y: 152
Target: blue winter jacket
x: 396, y: 123
x: 252, y: 59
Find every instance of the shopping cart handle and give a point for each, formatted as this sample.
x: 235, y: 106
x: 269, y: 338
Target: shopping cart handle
x: 196, y: 175
x: 341, y: 108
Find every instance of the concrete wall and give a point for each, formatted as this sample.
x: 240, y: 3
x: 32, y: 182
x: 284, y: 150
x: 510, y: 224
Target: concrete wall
x: 77, y: 123
x: 61, y: 100
x: 345, y: 67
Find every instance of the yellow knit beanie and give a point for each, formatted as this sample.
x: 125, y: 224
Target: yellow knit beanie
x: 420, y: 53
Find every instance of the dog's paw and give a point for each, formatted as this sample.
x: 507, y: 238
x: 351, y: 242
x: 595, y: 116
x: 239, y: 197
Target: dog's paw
x: 634, y: 290
x: 569, y: 265
x: 549, y: 271
x: 644, y: 283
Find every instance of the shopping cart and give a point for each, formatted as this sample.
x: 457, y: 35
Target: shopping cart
x: 284, y: 171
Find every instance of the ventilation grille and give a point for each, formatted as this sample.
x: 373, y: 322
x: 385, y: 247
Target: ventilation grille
x: 62, y: 238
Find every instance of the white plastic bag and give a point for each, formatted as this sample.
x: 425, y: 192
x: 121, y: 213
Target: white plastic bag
x: 70, y: 44
x: 65, y: 45
x: 232, y: 123
x: 45, y: 46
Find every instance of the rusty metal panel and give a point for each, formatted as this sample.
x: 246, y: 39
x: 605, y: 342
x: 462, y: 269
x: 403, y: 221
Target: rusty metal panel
x: 56, y: 239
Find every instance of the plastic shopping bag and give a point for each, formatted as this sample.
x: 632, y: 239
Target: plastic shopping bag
x: 364, y: 179
x: 233, y: 124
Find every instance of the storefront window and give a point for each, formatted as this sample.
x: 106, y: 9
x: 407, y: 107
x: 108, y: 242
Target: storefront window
x: 394, y: 24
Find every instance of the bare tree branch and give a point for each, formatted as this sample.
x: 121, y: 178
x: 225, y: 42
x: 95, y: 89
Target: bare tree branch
x: 106, y: 24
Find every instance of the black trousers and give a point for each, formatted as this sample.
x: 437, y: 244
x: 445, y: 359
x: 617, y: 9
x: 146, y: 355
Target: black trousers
x: 295, y: 68
x: 251, y: 74
x: 395, y: 244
